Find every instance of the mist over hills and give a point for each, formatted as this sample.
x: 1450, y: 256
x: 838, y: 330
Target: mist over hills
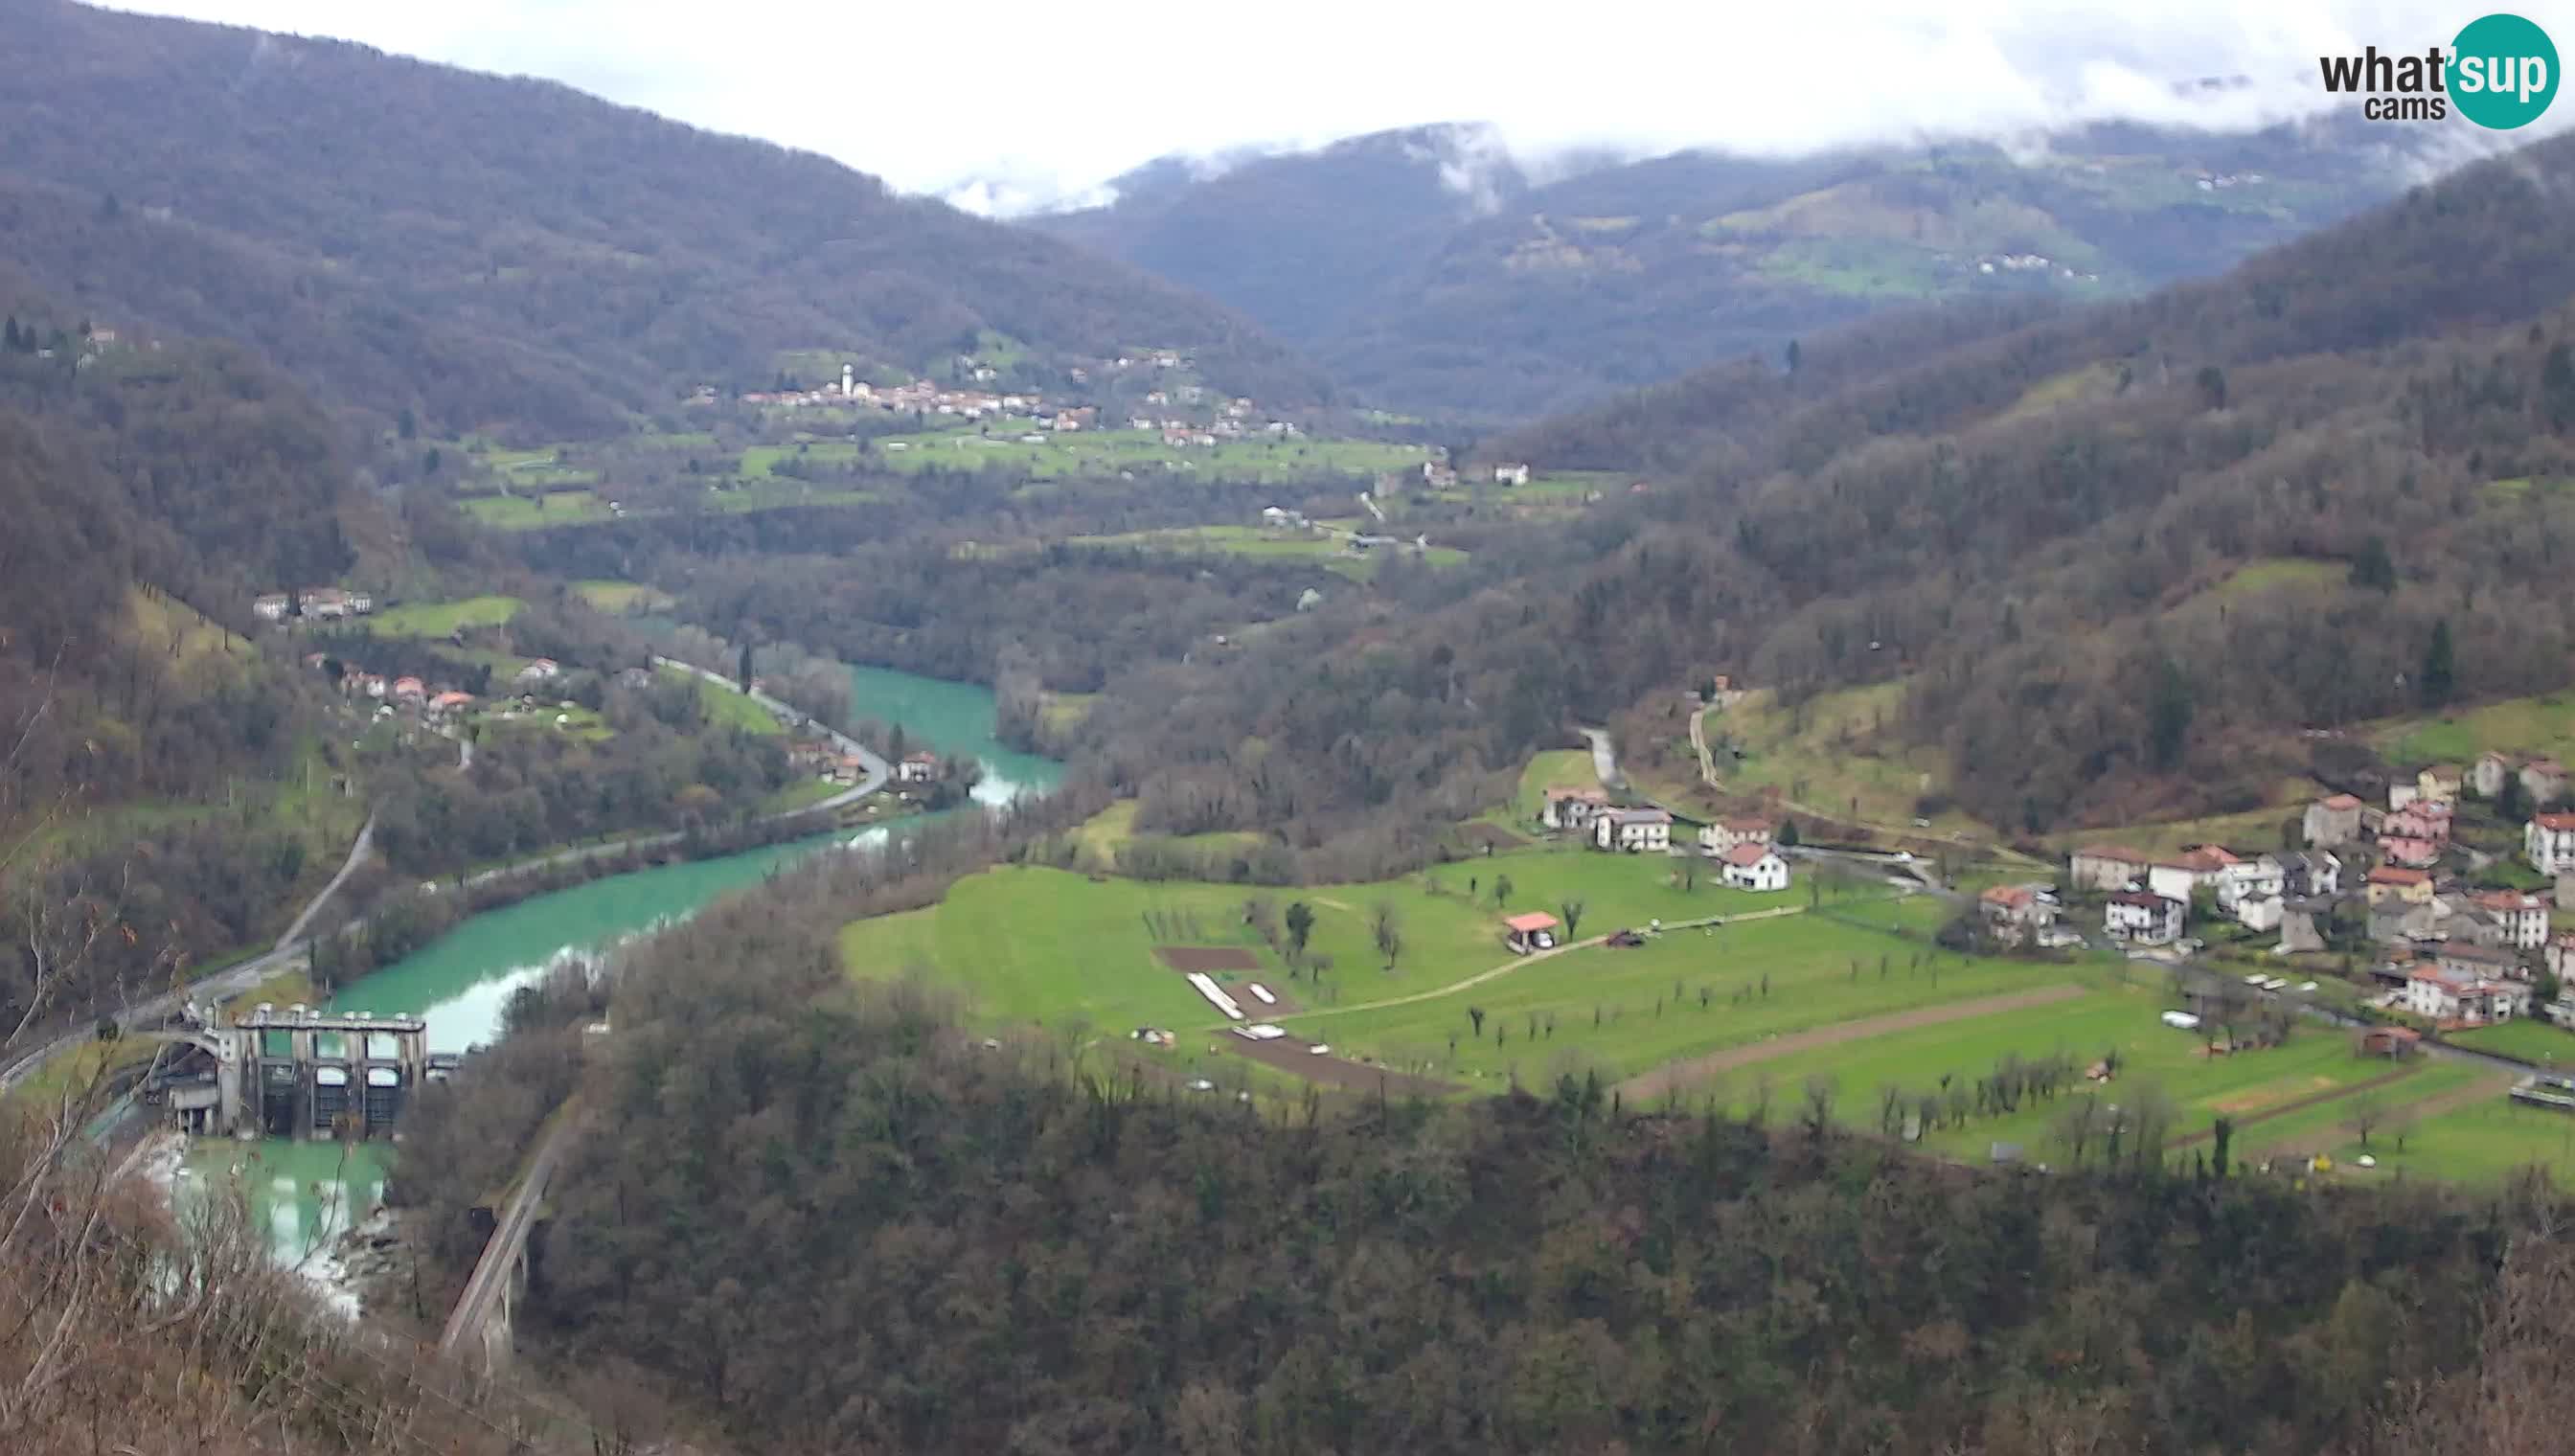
x: 1428, y: 271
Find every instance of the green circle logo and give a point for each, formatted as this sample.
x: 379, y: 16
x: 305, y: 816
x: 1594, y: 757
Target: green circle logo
x: 2503, y: 72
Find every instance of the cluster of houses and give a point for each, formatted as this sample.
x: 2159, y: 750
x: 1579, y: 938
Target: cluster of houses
x: 824, y: 759
x: 328, y: 604
x: 2458, y: 955
x: 1438, y: 475
x: 1743, y: 845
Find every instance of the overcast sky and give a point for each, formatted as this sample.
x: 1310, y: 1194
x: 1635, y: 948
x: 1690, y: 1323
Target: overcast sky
x: 999, y: 103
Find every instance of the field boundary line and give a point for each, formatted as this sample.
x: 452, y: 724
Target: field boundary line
x: 1672, y: 1076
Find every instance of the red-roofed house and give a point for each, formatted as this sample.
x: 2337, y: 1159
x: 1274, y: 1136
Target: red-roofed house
x: 2331, y: 821
x: 2106, y: 866
x: 408, y: 689
x: 2488, y: 773
x: 917, y: 768
x: 2394, y: 883
x: 2014, y: 911
x: 2410, y: 850
x: 2524, y: 916
x: 1571, y: 808
x: 2176, y: 876
x: 2548, y: 841
x: 1725, y: 833
x: 2462, y: 997
x: 1533, y: 932
x: 1755, y: 867
x: 2143, y: 916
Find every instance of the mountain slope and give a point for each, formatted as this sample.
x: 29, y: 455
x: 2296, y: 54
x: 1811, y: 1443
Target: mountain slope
x: 2097, y: 565
x: 1301, y: 241
x: 497, y: 250
x: 1539, y: 297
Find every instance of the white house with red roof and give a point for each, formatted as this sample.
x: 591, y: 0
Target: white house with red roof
x: 2548, y: 841
x: 408, y: 689
x: 1755, y: 868
x: 2459, y: 996
x: 2524, y: 916
x: 2143, y: 916
x: 2176, y: 876
x: 917, y: 768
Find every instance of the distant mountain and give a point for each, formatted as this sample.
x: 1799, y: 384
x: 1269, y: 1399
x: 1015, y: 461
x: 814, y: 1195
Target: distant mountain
x: 1304, y: 241
x: 1427, y: 272
x: 507, y: 251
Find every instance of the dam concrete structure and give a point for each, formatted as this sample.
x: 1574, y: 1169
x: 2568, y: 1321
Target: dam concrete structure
x: 294, y: 1073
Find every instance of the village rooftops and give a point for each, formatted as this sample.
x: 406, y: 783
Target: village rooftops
x: 1641, y: 817
x: 2555, y: 824
x: 2144, y: 900
x: 2201, y: 859
x: 1744, y: 856
x: 2508, y: 902
x: 2342, y: 803
x: 2010, y: 896
x: 924, y: 758
x: 1583, y: 796
x: 2119, y: 852
x: 1748, y: 824
x: 2394, y: 875
x: 1530, y: 924
x: 2475, y: 954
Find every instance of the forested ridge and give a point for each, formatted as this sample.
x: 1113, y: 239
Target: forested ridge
x: 827, y: 1217
x: 507, y: 251
x: 1429, y: 272
x: 2022, y: 517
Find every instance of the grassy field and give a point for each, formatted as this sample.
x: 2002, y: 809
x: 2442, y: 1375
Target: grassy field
x: 1110, y: 452
x: 2482, y: 1142
x: 620, y: 598
x: 2531, y: 1040
x: 1062, y: 711
x: 2535, y: 727
x: 2300, y: 1094
x: 2252, y: 831
x: 1030, y: 944
x: 205, y: 655
x: 1834, y: 751
x: 1332, y: 552
x: 2270, y: 573
x: 729, y: 708
x: 439, y: 618
x: 544, y: 508
x: 1103, y: 834
x: 1552, y: 769
x: 1625, y: 1011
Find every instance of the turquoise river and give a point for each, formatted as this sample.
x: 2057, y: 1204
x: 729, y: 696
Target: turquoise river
x: 306, y: 1191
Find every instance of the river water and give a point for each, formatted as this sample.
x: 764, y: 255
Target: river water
x: 305, y: 1192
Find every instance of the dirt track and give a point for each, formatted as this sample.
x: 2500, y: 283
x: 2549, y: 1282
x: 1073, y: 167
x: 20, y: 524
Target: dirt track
x: 2484, y: 1090
x: 1289, y: 1054
x: 1641, y: 1090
